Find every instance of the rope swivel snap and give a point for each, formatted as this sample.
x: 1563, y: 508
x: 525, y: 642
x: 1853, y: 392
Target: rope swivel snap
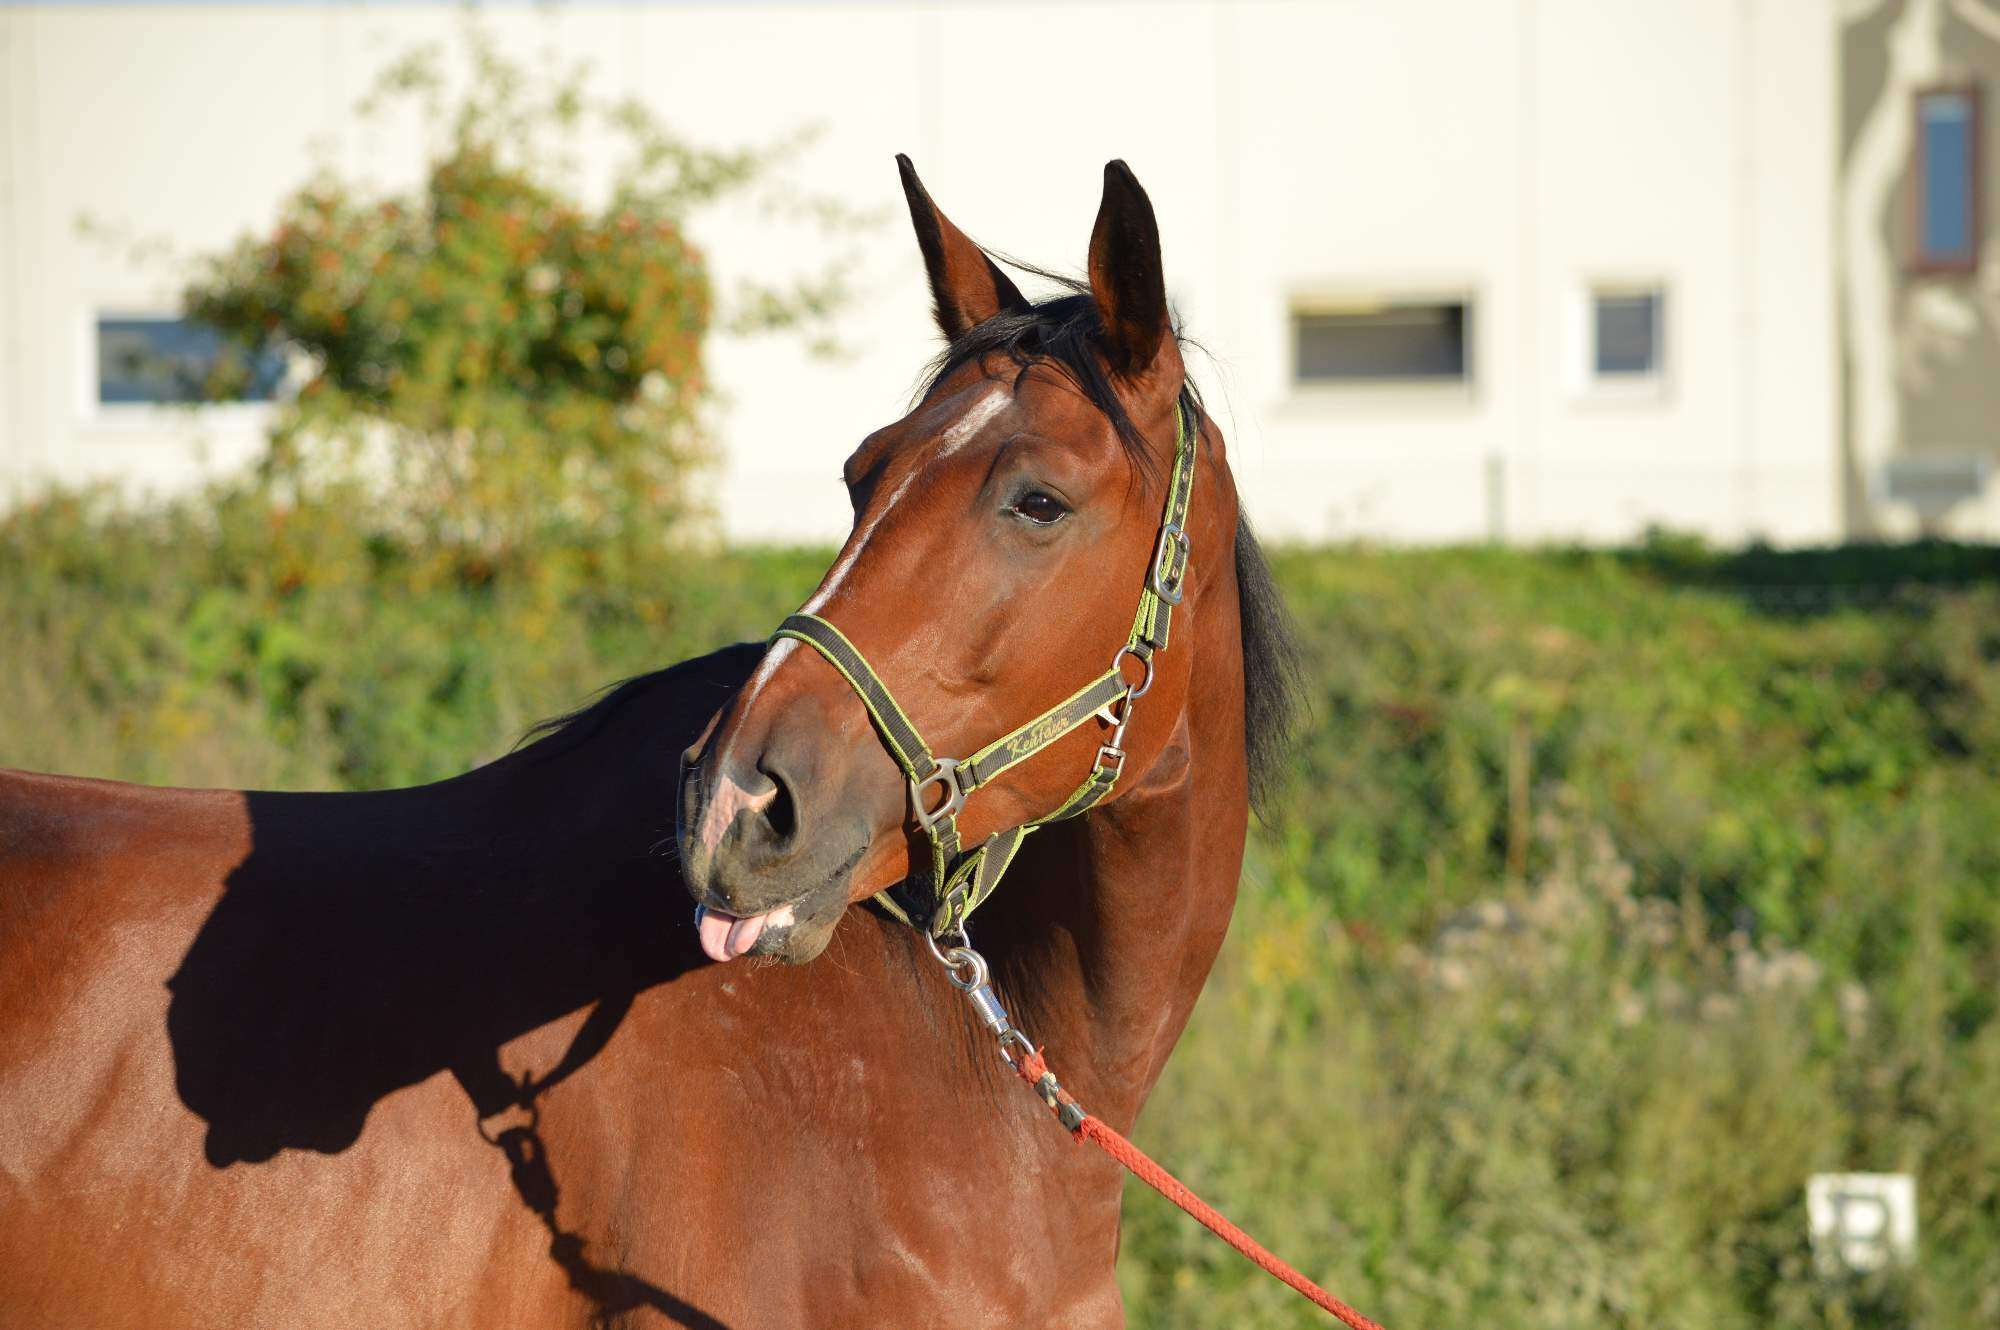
x: 969, y: 974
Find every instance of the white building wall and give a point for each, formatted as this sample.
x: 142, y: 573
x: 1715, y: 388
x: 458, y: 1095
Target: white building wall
x: 1513, y: 151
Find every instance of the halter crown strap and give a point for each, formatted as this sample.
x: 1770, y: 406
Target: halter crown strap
x: 943, y: 893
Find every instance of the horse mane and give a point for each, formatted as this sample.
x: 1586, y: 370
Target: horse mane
x: 553, y: 735
x: 560, y: 734
x: 1064, y: 331
x: 1273, y: 669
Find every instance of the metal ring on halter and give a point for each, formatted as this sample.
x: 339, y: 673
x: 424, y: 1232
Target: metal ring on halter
x: 930, y: 940
x: 958, y: 958
x: 1144, y: 658
x: 945, y: 774
x: 973, y: 962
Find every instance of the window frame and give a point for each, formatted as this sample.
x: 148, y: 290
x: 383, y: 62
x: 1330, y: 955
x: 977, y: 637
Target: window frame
x: 1916, y: 258
x: 1306, y: 302
x: 1585, y: 387
x: 1648, y: 382
x: 148, y: 416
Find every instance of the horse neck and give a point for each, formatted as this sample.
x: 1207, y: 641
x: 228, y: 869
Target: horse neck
x: 1123, y: 912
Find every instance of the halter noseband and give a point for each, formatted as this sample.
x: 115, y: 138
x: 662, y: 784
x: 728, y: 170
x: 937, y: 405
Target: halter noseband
x: 945, y: 892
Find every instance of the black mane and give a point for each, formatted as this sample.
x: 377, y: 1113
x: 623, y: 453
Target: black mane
x: 1273, y: 669
x: 1064, y: 332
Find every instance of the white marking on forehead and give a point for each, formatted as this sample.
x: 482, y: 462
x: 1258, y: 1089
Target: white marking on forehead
x: 773, y: 658
x: 845, y: 564
x: 989, y: 404
x: 730, y: 799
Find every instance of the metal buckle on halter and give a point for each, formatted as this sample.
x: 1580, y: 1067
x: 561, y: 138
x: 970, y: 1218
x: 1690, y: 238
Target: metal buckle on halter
x: 1117, y: 756
x: 946, y: 775
x: 952, y: 910
x: 1170, y: 552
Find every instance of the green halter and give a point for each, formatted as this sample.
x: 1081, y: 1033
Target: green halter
x: 945, y: 892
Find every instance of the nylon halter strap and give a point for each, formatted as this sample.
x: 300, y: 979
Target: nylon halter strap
x: 945, y: 891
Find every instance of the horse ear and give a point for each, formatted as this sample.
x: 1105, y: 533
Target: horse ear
x: 967, y: 287
x: 1126, y: 276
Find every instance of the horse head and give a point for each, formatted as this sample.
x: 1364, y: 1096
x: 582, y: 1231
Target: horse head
x: 1003, y: 532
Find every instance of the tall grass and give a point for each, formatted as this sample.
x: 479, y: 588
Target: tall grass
x: 1571, y: 1107
x: 1614, y: 895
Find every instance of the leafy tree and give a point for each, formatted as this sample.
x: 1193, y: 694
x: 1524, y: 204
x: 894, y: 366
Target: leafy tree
x: 512, y: 369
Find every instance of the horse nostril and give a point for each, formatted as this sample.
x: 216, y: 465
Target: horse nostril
x: 781, y: 813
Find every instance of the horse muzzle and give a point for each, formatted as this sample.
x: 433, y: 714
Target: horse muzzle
x: 768, y: 871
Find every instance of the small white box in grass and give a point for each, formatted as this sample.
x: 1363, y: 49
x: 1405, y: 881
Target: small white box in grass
x: 1861, y: 1221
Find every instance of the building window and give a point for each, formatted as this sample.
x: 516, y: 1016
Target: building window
x: 1946, y: 184
x: 1382, y: 341
x: 166, y: 361
x: 1627, y: 333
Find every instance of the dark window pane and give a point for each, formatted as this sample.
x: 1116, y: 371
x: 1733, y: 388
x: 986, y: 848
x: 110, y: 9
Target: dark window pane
x: 174, y: 361
x: 1628, y: 333
x: 1945, y: 189
x: 1398, y: 342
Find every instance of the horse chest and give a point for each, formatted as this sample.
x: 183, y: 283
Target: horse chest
x: 880, y: 1185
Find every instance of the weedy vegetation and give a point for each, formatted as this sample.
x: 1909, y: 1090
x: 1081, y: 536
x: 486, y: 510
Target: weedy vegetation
x: 1611, y: 894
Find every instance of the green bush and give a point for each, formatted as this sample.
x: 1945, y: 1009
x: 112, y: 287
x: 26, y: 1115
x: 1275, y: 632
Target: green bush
x: 1613, y: 895
x: 1609, y: 897
x: 1571, y: 1106
x: 509, y: 360
x: 314, y: 653
x: 1791, y: 771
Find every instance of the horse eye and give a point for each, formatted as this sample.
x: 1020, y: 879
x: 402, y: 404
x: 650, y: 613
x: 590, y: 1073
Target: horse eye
x: 1040, y: 508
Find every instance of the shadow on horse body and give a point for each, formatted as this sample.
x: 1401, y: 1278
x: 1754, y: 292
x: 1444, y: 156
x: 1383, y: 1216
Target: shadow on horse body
x: 369, y: 1003
x: 454, y: 1055
x: 369, y: 941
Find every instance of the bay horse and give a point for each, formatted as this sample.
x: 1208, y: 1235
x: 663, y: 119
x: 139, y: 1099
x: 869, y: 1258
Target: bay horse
x: 458, y: 1056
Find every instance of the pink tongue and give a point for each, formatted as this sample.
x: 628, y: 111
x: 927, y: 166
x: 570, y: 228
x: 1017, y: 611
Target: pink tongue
x: 726, y: 936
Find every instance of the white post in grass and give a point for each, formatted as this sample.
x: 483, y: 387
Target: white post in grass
x: 1861, y: 1222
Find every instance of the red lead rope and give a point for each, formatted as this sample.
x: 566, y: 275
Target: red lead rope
x: 1035, y: 1071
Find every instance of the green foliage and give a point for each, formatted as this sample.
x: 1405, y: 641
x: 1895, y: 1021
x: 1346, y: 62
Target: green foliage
x: 1572, y: 1106
x: 1613, y: 895
x: 513, y: 367
x: 1609, y: 898
x: 1783, y: 768
x: 311, y: 651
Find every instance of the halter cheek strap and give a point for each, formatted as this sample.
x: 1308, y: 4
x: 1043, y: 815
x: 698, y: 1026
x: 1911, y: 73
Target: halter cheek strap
x: 945, y: 891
